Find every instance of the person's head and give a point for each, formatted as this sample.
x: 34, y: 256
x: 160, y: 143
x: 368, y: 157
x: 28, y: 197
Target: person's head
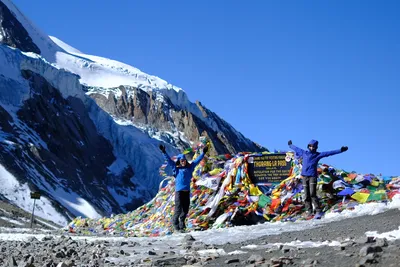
x: 313, y: 145
x: 181, y: 160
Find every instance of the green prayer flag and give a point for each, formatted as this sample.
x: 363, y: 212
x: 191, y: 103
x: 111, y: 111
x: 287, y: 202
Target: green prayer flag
x: 263, y: 200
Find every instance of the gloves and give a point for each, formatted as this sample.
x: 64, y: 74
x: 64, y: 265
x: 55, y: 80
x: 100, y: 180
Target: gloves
x: 344, y: 148
x: 205, y: 149
x: 290, y: 142
x: 162, y: 148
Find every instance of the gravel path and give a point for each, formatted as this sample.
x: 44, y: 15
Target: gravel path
x: 351, y: 248
x: 345, y: 254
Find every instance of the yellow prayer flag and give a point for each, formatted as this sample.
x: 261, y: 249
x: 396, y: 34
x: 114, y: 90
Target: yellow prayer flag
x: 374, y: 183
x: 360, y: 197
x: 254, y: 191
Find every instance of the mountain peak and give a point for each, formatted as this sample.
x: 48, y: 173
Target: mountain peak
x: 84, y: 130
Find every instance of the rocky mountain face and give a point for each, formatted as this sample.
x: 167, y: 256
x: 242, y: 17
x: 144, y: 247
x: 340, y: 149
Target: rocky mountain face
x: 12, y: 32
x: 155, y: 111
x: 89, y: 150
x: 73, y: 155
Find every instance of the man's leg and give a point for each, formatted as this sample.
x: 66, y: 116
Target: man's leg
x: 307, y: 195
x: 178, y: 210
x: 313, y: 194
x: 185, y: 203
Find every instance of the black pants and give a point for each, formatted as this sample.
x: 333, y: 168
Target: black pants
x: 182, y: 202
x: 310, y: 193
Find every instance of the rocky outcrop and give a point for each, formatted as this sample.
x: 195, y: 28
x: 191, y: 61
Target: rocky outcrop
x: 13, y: 34
x: 155, y: 110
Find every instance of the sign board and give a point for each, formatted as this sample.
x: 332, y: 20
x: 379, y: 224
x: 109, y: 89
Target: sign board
x: 271, y: 168
x: 35, y: 195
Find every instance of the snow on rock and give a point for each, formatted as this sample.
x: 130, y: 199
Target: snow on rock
x: 66, y: 82
x: 130, y: 145
x: 103, y: 72
x: 391, y: 235
x: 75, y: 203
x: 65, y: 46
x: 11, y: 78
x: 93, y: 70
x: 12, y: 221
x: 47, y: 47
x: 12, y: 61
x: 19, y: 194
x: 105, y: 75
x: 66, y: 69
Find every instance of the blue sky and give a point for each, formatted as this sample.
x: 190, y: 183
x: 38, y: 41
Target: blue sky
x: 275, y: 70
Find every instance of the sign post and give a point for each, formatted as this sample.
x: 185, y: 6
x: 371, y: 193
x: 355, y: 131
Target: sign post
x: 34, y: 196
x: 270, y: 168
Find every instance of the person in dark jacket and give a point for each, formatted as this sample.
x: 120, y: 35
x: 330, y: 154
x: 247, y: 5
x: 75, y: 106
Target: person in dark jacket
x: 309, y: 172
x: 182, y: 171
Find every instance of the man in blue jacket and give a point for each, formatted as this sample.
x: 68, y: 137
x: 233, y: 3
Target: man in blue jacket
x: 182, y: 171
x: 309, y: 172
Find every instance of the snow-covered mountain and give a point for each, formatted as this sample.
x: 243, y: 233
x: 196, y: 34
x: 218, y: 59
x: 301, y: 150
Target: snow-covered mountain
x: 84, y: 130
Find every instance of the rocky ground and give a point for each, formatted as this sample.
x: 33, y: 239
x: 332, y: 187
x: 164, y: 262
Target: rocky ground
x: 12, y: 216
x: 351, y: 248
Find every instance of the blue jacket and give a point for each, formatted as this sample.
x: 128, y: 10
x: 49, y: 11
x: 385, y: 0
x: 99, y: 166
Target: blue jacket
x: 311, y: 158
x: 183, y: 175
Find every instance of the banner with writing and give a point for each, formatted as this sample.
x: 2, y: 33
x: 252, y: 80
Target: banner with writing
x: 272, y: 168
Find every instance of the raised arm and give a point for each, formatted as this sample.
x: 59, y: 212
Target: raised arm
x: 298, y: 151
x: 199, y: 158
x: 333, y: 152
x: 170, y: 162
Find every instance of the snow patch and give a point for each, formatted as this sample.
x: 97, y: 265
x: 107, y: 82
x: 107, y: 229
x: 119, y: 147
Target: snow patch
x: 242, y: 233
x: 391, y: 235
x: 237, y: 252
x: 297, y: 243
x: 132, y: 146
x: 12, y: 221
x: 10, y: 77
x: 123, y: 122
x: 103, y: 72
x: 395, y: 203
x: 65, y: 46
x: 20, y: 236
x: 70, y: 200
x: 211, y: 252
x: 19, y: 195
x: 47, y: 224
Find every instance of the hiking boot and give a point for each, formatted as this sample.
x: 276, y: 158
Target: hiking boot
x: 319, y: 215
x: 308, y: 215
